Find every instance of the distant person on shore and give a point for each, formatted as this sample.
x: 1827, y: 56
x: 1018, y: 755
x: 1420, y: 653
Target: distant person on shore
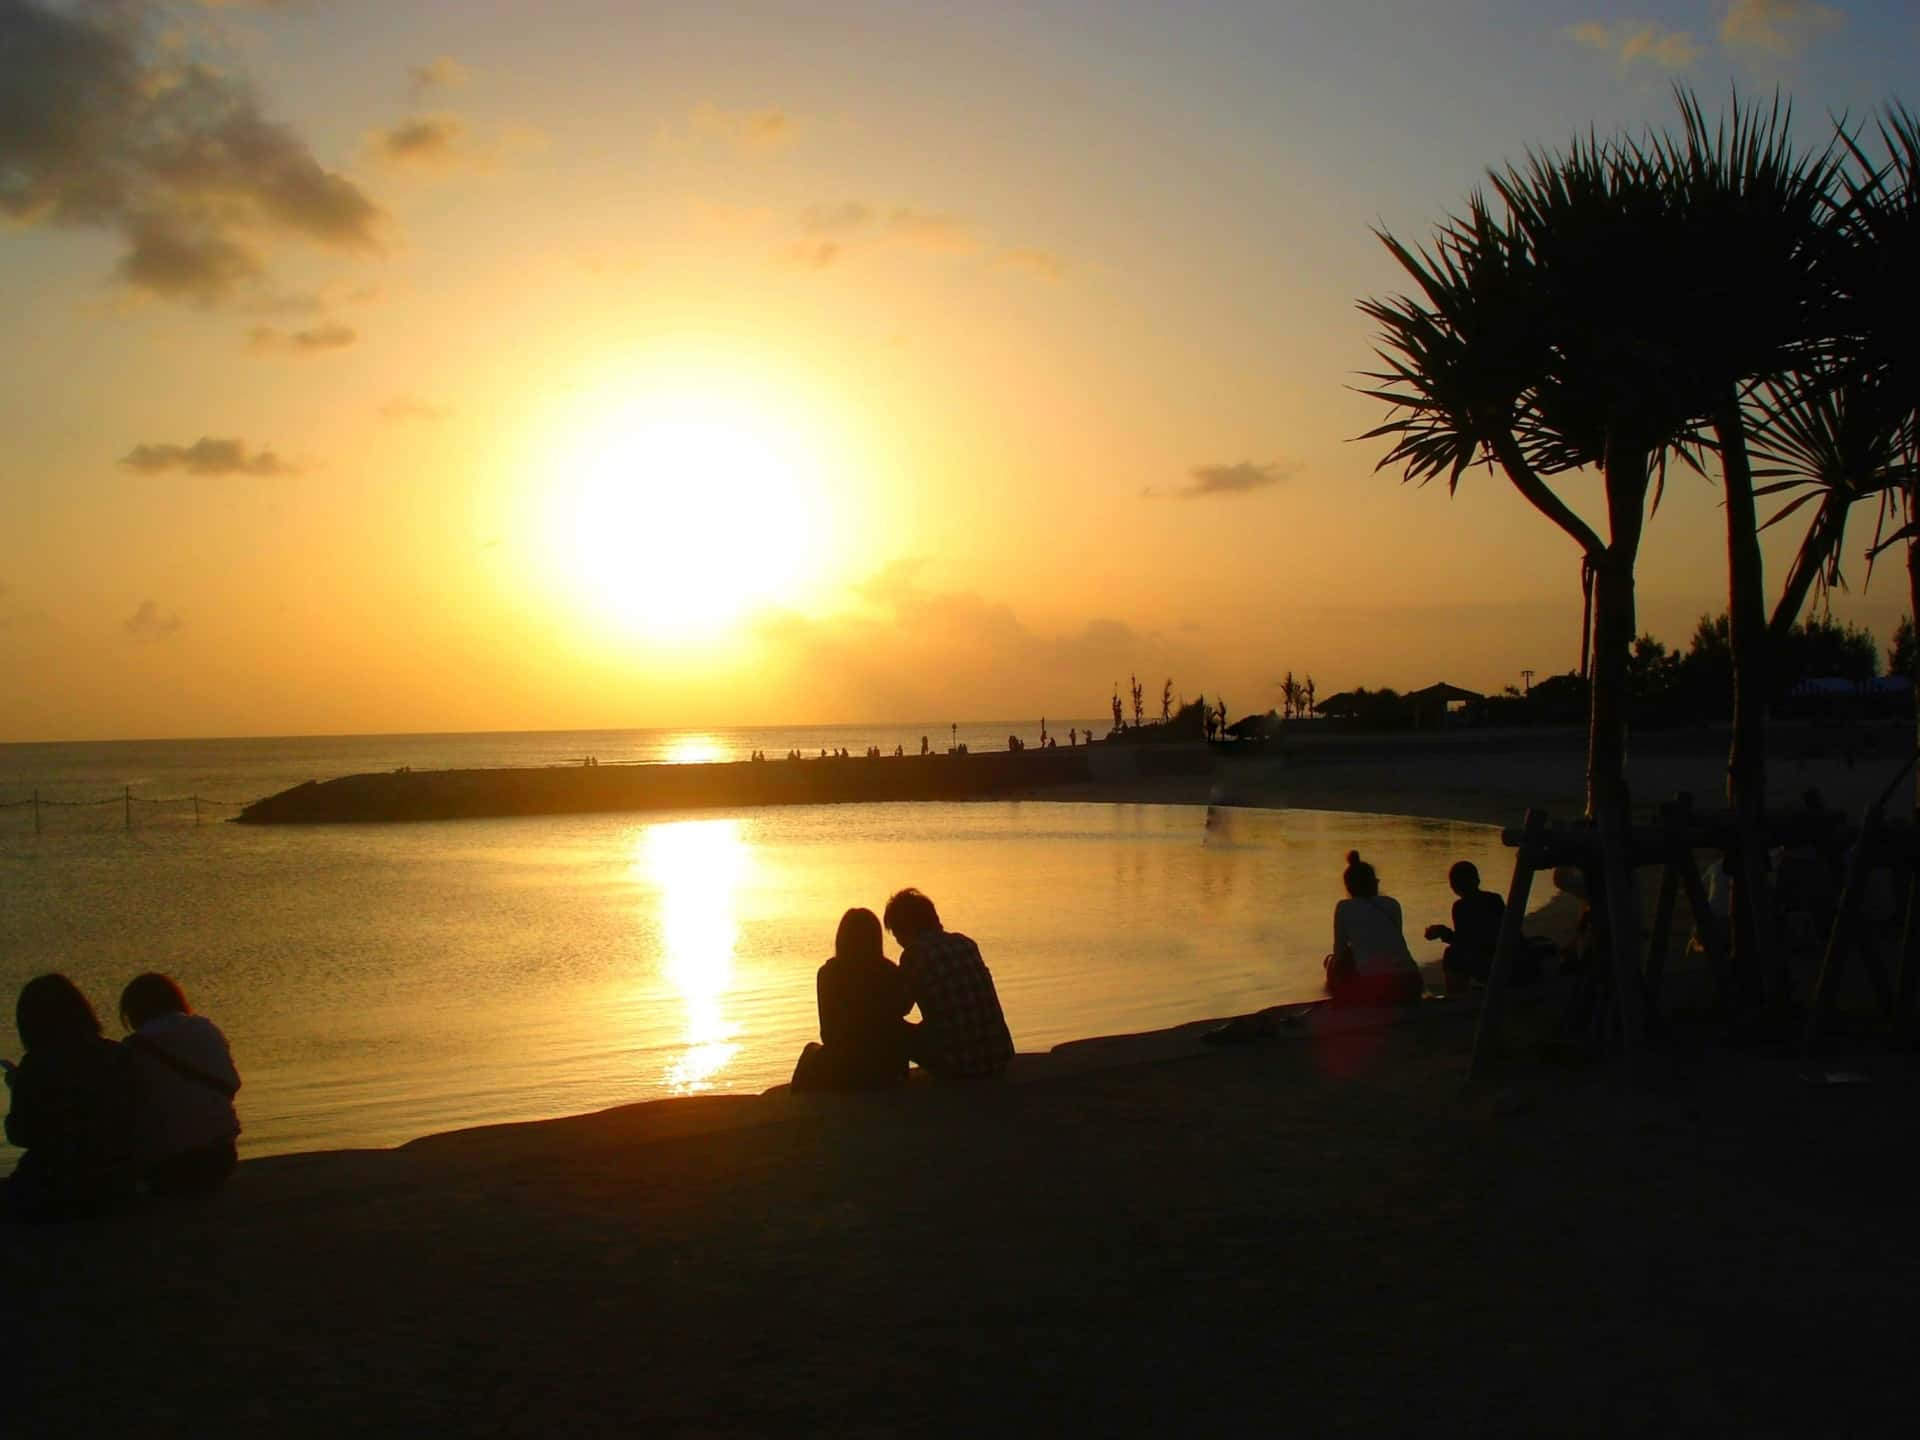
x: 1475, y: 932
x: 1370, y: 963
x: 863, y: 1039
x: 68, y: 1110
x: 962, y: 1034
x: 184, y: 1081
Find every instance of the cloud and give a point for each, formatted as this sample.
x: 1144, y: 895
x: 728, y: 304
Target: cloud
x: 206, y: 456
x: 443, y: 142
x: 443, y: 72
x: 266, y: 340
x: 930, y: 231
x: 1215, y: 480
x: 753, y: 133
x: 148, y: 623
x: 848, y: 215
x: 910, y: 649
x: 830, y: 233
x: 1634, y: 41
x: 1781, y: 28
x: 105, y: 127
x: 411, y: 407
x: 423, y: 140
x: 1042, y: 263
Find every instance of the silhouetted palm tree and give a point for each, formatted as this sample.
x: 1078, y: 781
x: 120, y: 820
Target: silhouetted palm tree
x: 1880, y: 305
x: 1750, y: 236
x: 1544, y: 344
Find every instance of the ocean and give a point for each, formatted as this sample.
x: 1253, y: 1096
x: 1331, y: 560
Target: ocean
x: 383, y: 982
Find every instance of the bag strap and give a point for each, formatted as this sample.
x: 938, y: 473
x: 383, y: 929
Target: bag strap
x: 148, y: 1046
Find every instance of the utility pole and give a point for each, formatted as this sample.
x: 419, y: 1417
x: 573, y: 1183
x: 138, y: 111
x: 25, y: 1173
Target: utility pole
x: 1526, y: 679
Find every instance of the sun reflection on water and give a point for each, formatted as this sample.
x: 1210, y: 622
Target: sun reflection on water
x: 695, y: 750
x: 697, y: 868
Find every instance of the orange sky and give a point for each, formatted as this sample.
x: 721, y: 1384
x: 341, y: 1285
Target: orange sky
x: 432, y: 367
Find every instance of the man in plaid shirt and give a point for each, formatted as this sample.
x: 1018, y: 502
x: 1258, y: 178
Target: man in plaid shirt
x: 961, y: 1034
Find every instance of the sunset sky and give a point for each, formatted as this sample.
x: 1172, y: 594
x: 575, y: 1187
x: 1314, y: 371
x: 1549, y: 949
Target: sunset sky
x: 485, y: 365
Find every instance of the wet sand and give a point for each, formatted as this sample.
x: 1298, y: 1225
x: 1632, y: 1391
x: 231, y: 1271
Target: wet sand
x: 1325, y: 1232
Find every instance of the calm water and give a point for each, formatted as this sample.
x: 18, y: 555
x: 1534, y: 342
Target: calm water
x: 382, y: 982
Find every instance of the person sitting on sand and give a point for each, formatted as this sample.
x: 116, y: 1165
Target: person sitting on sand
x: 863, y: 1040
x: 68, y: 1110
x: 962, y: 1032
x: 1370, y: 963
x: 184, y: 1081
x: 1475, y: 932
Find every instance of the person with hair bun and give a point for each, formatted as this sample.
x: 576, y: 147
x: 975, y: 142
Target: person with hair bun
x: 1370, y: 963
x: 184, y: 1081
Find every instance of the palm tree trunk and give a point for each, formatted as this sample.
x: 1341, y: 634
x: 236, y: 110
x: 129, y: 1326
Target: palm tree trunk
x: 1913, y: 603
x: 1608, y: 801
x: 1747, y: 756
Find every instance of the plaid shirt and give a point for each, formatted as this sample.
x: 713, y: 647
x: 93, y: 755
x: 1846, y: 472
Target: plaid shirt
x: 962, y: 1031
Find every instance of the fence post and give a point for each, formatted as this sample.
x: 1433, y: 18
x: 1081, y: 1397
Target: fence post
x: 126, y: 796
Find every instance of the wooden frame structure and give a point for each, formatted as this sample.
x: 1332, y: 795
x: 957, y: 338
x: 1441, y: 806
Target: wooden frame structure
x: 1850, y: 853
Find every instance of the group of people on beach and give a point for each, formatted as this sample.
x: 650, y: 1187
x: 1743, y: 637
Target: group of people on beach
x: 99, y: 1118
x: 1370, y: 963
x: 866, y: 1042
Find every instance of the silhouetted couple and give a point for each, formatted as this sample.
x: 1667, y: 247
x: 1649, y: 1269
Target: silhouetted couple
x: 866, y: 1041
x: 97, y: 1118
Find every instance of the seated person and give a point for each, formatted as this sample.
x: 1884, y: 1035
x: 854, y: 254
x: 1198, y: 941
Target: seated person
x: 962, y: 1034
x: 1475, y: 931
x: 1370, y: 963
x: 861, y: 996
x: 68, y: 1110
x: 184, y: 1125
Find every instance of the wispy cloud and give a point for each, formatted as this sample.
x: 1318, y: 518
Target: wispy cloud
x: 1781, y: 28
x: 928, y: 230
x: 1044, y: 264
x: 206, y: 456
x: 833, y: 232
x: 411, y: 407
x: 1634, y: 42
x: 1212, y: 481
x: 318, y: 340
x: 907, y: 647
x: 441, y: 73
x: 106, y: 128
x: 148, y: 622
x: 765, y: 131
x: 422, y: 140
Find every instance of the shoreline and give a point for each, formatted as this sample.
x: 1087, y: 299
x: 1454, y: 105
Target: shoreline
x: 1343, y: 774
x: 1137, y: 1233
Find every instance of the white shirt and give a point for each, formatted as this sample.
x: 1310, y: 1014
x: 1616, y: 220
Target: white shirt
x: 1372, y: 927
x: 173, y: 1114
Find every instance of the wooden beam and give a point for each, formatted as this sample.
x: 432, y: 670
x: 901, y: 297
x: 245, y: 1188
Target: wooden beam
x: 1486, y: 1039
x: 1839, y: 941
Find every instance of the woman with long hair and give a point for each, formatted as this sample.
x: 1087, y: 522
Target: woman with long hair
x: 861, y: 998
x: 68, y: 1109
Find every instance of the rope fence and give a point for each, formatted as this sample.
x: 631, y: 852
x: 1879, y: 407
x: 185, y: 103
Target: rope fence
x: 126, y: 800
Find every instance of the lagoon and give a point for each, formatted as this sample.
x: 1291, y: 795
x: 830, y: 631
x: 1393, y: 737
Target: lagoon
x: 380, y: 983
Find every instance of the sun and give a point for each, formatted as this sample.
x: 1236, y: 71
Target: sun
x: 676, y: 517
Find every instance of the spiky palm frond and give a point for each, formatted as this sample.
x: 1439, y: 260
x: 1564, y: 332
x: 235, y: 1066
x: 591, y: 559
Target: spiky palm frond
x: 1459, y: 361
x: 1878, y: 325
x: 1830, y: 439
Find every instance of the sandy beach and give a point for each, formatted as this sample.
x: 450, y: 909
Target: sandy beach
x: 1325, y: 1232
